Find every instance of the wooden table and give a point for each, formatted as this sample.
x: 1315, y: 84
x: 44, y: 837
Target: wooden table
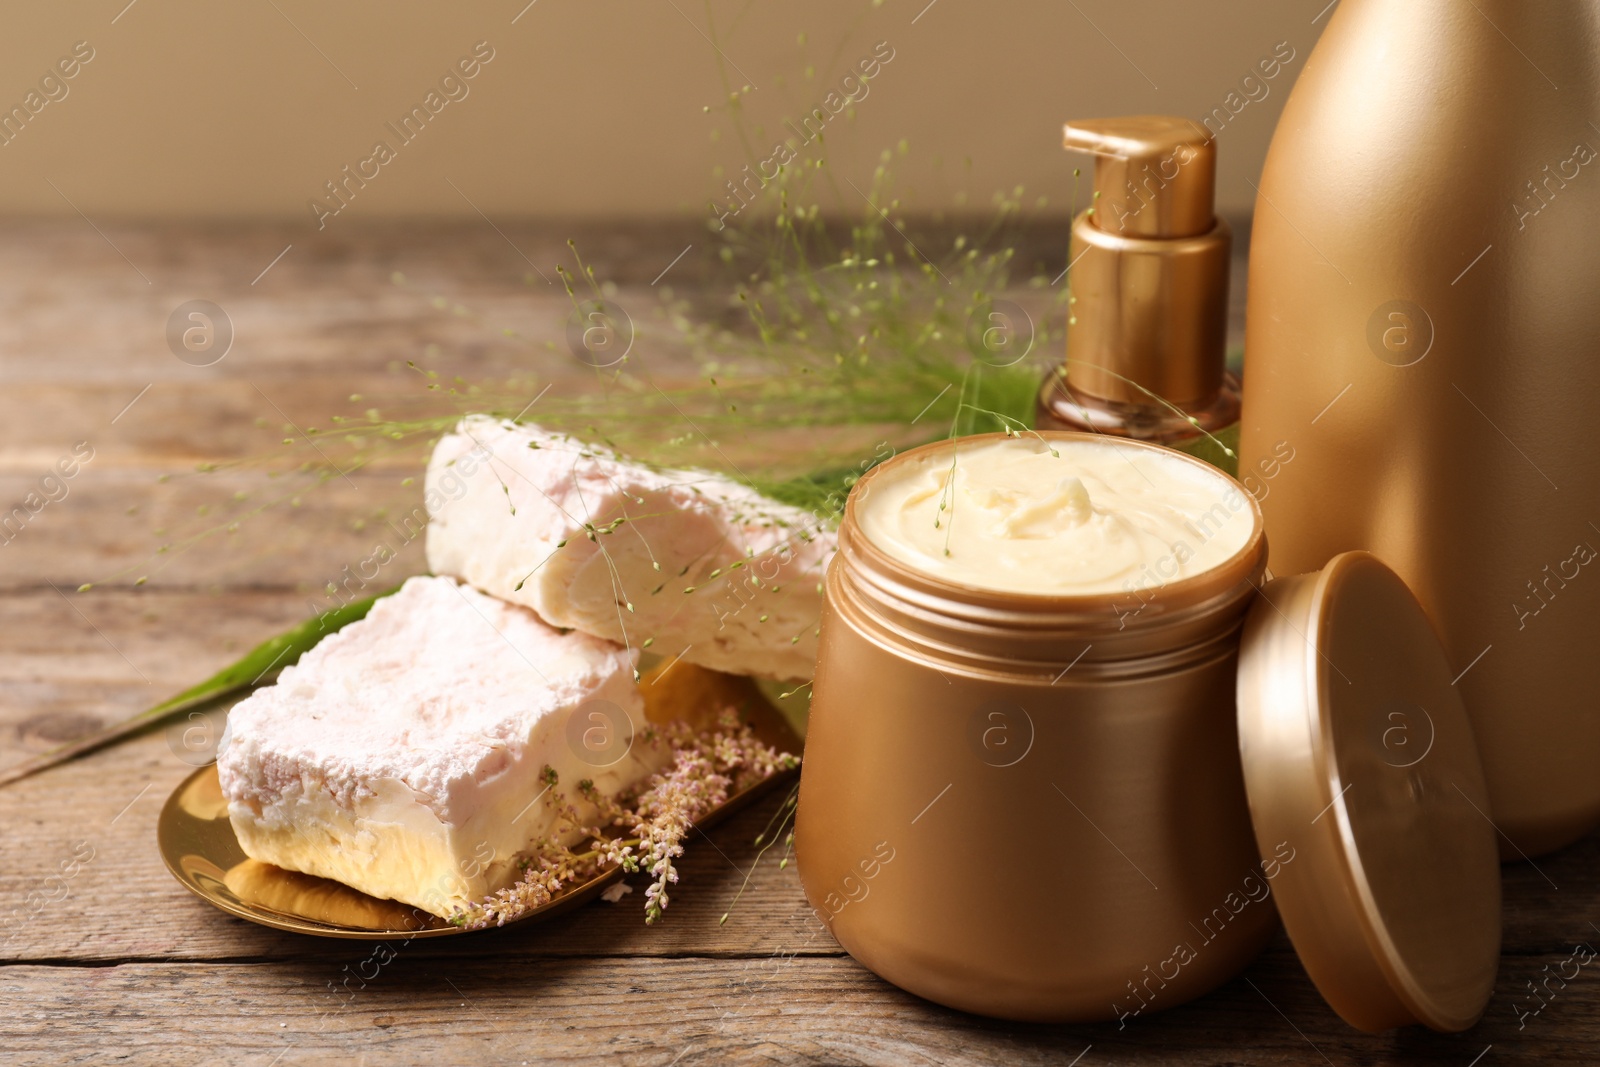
x: 118, y: 963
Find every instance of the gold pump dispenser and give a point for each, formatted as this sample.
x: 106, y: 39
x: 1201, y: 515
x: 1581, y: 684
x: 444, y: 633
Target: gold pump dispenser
x: 1421, y: 338
x: 1148, y: 277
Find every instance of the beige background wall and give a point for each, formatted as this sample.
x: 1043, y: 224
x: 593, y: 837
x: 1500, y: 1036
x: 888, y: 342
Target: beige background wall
x: 195, y: 109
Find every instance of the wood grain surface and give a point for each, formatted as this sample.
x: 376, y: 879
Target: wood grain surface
x: 117, y: 963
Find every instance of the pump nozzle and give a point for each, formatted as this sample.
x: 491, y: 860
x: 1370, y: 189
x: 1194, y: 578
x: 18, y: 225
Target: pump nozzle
x: 1155, y: 175
x: 1148, y: 282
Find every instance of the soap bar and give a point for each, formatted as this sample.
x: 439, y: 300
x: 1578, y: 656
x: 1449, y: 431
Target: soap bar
x: 405, y: 754
x: 611, y: 547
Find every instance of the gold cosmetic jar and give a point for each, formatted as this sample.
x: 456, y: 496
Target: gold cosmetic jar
x: 1056, y: 779
x: 1034, y: 806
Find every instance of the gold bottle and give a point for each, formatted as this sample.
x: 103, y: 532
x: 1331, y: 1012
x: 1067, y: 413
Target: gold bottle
x: 1423, y: 337
x: 1148, y: 273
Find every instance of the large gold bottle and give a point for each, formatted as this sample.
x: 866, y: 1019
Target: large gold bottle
x: 1423, y: 340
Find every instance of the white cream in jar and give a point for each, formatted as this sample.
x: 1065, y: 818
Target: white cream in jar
x: 1056, y: 518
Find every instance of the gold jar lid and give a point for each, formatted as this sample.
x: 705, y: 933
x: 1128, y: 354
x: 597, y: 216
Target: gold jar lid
x: 1359, y: 757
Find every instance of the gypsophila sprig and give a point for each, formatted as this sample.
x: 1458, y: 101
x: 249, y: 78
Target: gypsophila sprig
x: 640, y: 830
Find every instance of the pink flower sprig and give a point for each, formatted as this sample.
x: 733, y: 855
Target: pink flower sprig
x: 707, y: 767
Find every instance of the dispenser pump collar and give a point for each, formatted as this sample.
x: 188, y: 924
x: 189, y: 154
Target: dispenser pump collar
x: 1155, y: 175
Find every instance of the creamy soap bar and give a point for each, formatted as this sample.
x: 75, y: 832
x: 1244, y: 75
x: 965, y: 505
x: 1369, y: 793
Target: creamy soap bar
x: 607, y: 546
x: 1063, y: 518
x: 403, y: 755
